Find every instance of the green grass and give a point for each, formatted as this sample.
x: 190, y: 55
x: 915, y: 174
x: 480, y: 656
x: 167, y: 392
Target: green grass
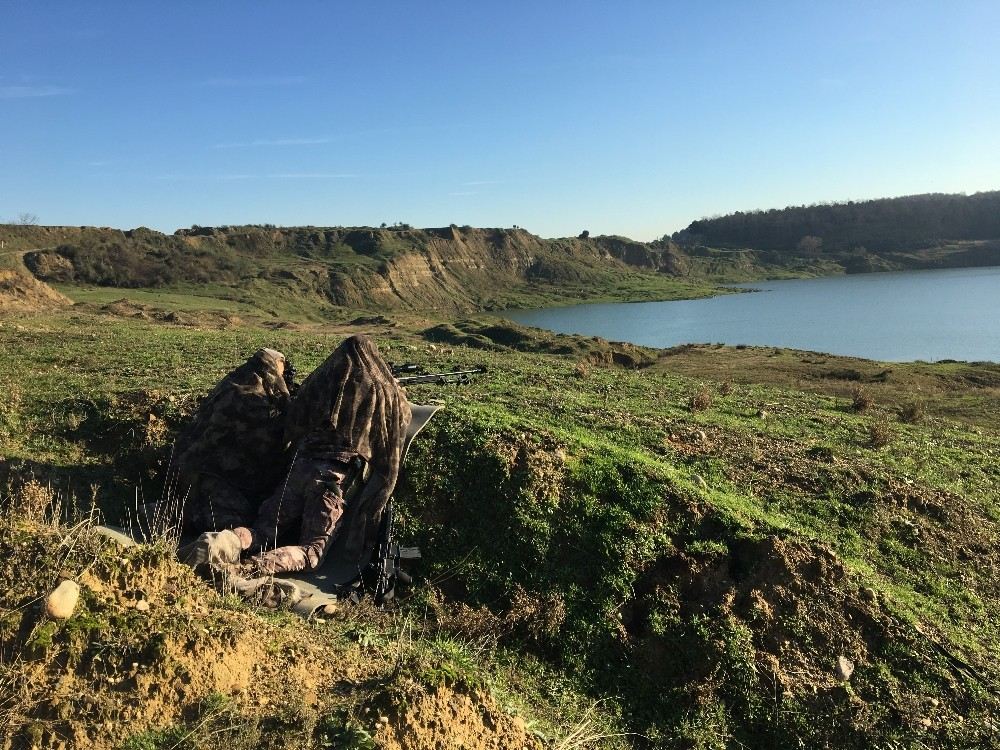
x: 590, y: 513
x: 197, y: 299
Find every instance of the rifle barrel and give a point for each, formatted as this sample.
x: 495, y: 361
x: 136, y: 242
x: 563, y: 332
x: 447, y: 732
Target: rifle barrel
x: 438, y: 376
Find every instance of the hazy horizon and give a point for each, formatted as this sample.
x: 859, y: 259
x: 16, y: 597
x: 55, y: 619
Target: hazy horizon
x: 634, y: 121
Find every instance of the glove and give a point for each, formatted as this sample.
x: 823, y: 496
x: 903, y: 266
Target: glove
x: 212, y: 548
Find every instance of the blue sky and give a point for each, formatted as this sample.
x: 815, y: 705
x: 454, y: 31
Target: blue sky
x: 629, y: 118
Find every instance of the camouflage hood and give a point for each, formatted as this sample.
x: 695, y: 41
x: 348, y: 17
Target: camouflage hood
x: 354, y: 399
x: 237, y: 432
x: 354, y: 405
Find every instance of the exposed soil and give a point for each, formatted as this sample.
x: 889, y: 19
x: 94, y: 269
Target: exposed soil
x: 151, y: 648
x: 23, y: 292
x: 126, y: 308
x: 445, y: 718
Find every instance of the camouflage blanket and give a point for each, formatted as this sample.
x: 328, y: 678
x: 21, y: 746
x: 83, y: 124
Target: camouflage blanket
x: 232, y: 454
x: 349, y: 411
x: 273, y: 468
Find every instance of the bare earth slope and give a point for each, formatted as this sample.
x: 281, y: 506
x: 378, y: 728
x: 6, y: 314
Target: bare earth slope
x: 19, y: 290
x: 397, y: 268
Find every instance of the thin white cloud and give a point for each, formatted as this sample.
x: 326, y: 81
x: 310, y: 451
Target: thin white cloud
x: 251, y: 81
x: 276, y: 142
x: 181, y: 177
x: 31, y: 92
x: 204, y: 177
x: 311, y: 175
x: 474, y: 183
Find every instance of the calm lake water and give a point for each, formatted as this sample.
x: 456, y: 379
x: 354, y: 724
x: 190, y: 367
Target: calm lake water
x: 928, y: 315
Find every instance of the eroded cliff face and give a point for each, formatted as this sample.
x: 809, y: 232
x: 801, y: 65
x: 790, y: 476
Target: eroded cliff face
x: 441, y: 269
x: 449, y: 268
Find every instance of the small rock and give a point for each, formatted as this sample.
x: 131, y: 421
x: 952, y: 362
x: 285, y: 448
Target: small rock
x: 934, y: 702
x: 762, y: 413
x: 845, y: 668
x: 699, y: 480
x: 61, y: 603
x: 869, y: 594
x: 383, y: 719
x: 699, y: 437
x: 926, y: 722
x: 142, y: 605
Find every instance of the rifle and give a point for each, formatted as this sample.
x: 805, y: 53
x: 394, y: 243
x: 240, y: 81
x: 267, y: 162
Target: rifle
x: 385, y: 562
x: 440, y: 378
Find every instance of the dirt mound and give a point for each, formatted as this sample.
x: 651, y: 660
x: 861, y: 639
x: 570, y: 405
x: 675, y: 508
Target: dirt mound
x: 507, y: 335
x: 779, y: 585
x: 126, y: 308
x: 148, y: 648
x: 780, y: 588
x: 20, y: 291
x: 448, y: 718
x: 795, y: 634
x: 151, y: 658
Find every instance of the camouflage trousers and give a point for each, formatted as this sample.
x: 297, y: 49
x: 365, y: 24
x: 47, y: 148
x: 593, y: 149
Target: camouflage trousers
x: 307, y: 507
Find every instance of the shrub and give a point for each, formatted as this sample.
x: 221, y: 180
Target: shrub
x: 912, y: 412
x: 700, y: 400
x: 879, y: 433
x: 726, y: 388
x: 861, y: 401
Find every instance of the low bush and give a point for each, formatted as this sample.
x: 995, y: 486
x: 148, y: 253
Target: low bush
x: 700, y: 400
x: 912, y: 413
x: 879, y: 433
x: 861, y: 400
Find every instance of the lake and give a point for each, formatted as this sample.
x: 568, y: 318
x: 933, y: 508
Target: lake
x: 897, y: 317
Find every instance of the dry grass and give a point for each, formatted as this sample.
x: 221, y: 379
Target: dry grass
x: 540, y: 616
x: 587, y: 733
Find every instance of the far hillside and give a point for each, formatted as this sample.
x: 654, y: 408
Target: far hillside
x: 322, y: 273
x: 933, y: 230
x: 387, y: 268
